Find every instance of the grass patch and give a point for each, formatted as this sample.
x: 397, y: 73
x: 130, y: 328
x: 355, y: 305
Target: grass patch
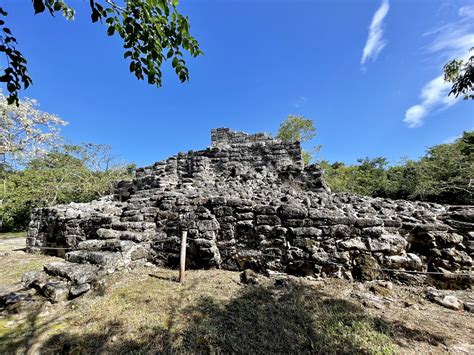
x: 15, y: 265
x: 21, y: 333
x: 214, y: 313
x: 143, y: 312
x: 12, y: 235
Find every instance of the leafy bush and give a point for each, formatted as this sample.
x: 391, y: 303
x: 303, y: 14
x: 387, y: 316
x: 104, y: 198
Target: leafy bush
x: 71, y: 174
x: 445, y: 175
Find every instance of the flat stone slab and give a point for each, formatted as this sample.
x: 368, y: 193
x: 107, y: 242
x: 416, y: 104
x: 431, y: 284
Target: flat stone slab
x: 77, y: 273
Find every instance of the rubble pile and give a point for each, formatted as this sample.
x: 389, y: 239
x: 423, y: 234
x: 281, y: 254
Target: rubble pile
x: 247, y: 202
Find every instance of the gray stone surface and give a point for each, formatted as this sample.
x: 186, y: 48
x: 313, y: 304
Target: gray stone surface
x: 249, y: 203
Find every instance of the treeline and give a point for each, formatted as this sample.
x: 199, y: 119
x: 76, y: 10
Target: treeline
x: 71, y: 173
x: 444, y: 175
x: 42, y: 171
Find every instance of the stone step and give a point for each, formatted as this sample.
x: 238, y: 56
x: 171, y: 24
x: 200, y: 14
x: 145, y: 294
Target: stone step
x: 106, y: 245
x: 133, y: 226
x: 136, y: 237
x: 76, y: 273
x: 61, y: 281
x: 132, y: 235
x: 111, y: 261
x: 131, y: 211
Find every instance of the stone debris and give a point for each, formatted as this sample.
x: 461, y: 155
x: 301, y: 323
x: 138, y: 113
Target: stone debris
x: 249, y: 277
x: 444, y: 299
x: 247, y: 202
x: 469, y: 306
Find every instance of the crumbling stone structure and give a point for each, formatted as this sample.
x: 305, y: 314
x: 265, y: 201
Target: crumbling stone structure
x: 247, y: 202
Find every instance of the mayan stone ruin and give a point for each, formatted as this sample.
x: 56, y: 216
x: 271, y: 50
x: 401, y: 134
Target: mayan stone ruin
x: 247, y: 202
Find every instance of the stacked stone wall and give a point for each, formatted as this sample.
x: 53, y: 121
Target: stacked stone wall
x: 247, y: 202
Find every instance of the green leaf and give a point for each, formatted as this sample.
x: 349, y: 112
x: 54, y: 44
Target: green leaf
x: 111, y: 30
x: 38, y: 5
x: 11, y: 87
x: 175, y: 62
x: 57, y: 6
x: 95, y: 15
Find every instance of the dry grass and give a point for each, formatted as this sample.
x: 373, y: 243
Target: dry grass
x: 14, y: 264
x: 214, y: 313
x: 147, y: 311
x: 11, y: 235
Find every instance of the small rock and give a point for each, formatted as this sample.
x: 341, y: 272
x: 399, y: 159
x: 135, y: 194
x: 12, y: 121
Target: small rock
x: 448, y: 301
x: 370, y: 300
x: 469, y: 306
x: 33, y: 277
x: 249, y: 277
x: 79, y: 290
x: 56, y: 291
x: 366, y: 268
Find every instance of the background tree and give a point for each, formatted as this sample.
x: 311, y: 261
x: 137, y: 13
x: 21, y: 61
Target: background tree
x: 367, y: 178
x: 301, y: 129
x: 71, y: 173
x: 39, y: 170
x: 444, y: 175
x: 461, y: 74
x: 152, y: 31
x: 25, y: 133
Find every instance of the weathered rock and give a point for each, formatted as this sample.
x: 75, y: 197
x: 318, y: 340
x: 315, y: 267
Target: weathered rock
x: 365, y: 268
x: 9, y: 299
x: 77, y: 273
x: 249, y: 277
x: 34, y: 278
x: 448, y: 301
x: 469, y: 306
x: 388, y: 244
x: 353, y: 244
x: 56, y: 291
x: 78, y: 290
x: 408, y: 262
x: 249, y: 202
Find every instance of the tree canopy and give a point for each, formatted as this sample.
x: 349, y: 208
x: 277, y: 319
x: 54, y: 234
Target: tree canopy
x: 41, y: 170
x: 461, y: 74
x: 25, y: 131
x: 298, y: 128
x: 445, y: 175
x: 153, y: 31
x: 71, y: 173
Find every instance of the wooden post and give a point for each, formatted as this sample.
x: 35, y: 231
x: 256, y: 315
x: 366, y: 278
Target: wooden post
x: 182, y: 256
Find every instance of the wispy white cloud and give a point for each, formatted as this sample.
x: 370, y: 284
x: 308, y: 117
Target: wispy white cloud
x: 300, y: 101
x: 433, y: 94
x: 467, y: 11
x: 452, y: 40
x: 375, y: 42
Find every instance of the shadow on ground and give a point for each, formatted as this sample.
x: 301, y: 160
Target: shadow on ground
x: 260, y: 319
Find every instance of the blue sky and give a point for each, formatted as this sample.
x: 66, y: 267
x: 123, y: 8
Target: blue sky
x: 366, y: 71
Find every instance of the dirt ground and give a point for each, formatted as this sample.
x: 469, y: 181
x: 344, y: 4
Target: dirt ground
x: 145, y: 310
